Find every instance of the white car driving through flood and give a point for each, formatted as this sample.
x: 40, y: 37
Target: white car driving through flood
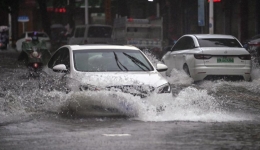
x: 106, y: 67
x: 209, y: 56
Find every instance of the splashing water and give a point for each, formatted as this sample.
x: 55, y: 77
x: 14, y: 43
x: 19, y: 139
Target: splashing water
x: 190, y: 104
x: 19, y: 97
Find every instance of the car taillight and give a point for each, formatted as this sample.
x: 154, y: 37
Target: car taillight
x: 245, y: 57
x: 202, y: 56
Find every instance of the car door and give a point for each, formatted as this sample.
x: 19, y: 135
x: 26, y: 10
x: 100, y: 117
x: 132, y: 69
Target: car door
x: 185, y: 50
x: 176, y: 52
x: 57, y: 80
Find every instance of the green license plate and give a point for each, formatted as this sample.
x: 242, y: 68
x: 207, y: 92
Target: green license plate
x: 225, y: 60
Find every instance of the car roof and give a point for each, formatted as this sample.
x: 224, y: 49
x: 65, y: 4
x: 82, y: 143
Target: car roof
x: 203, y: 36
x: 103, y: 47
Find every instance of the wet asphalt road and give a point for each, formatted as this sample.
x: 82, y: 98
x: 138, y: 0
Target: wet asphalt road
x: 208, y: 115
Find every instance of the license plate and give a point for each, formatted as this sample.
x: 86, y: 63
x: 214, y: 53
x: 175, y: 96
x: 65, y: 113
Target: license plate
x: 225, y: 60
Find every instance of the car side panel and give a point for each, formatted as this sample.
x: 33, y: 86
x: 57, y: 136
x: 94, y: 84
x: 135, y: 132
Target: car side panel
x: 169, y: 59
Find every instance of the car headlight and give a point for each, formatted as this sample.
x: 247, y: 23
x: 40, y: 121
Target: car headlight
x: 166, y: 88
x: 89, y: 87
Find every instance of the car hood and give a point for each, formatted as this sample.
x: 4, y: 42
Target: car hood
x: 224, y: 50
x: 104, y: 79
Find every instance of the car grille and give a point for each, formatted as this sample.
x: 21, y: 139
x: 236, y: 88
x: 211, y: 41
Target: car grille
x: 136, y: 90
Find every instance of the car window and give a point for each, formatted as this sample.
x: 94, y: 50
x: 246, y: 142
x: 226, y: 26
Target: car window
x: 99, y: 32
x: 60, y: 57
x: 79, y: 32
x: 110, y: 60
x: 218, y: 42
x: 188, y: 43
x: 180, y: 44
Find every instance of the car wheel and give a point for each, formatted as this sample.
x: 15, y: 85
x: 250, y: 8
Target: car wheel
x: 186, y: 69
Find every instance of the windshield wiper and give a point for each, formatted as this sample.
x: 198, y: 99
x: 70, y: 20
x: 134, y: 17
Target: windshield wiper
x: 119, y: 63
x: 137, y: 62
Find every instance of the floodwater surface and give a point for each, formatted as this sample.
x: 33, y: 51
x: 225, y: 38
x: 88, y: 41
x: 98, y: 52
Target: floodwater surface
x: 205, y: 115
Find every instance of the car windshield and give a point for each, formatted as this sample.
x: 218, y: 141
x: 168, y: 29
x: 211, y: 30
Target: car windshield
x: 99, y: 32
x: 218, y: 42
x: 110, y: 60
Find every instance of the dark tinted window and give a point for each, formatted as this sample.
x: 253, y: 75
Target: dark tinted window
x: 178, y: 45
x: 184, y: 43
x: 99, y: 32
x: 188, y: 43
x: 214, y: 42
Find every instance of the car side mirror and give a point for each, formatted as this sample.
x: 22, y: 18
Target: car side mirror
x: 60, y: 68
x: 161, y: 67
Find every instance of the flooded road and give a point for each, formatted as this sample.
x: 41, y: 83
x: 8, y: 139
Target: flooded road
x: 206, y: 115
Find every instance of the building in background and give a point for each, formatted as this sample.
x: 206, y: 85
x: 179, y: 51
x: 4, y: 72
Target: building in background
x: 240, y: 18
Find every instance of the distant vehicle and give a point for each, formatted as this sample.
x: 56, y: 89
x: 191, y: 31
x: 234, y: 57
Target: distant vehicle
x: 253, y: 46
x: 91, y: 34
x: 209, y: 56
x: 27, y: 37
x: 34, y: 54
x: 141, y: 33
x: 105, y: 67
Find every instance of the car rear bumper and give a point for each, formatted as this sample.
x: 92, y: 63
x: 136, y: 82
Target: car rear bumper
x: 201, y: 73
